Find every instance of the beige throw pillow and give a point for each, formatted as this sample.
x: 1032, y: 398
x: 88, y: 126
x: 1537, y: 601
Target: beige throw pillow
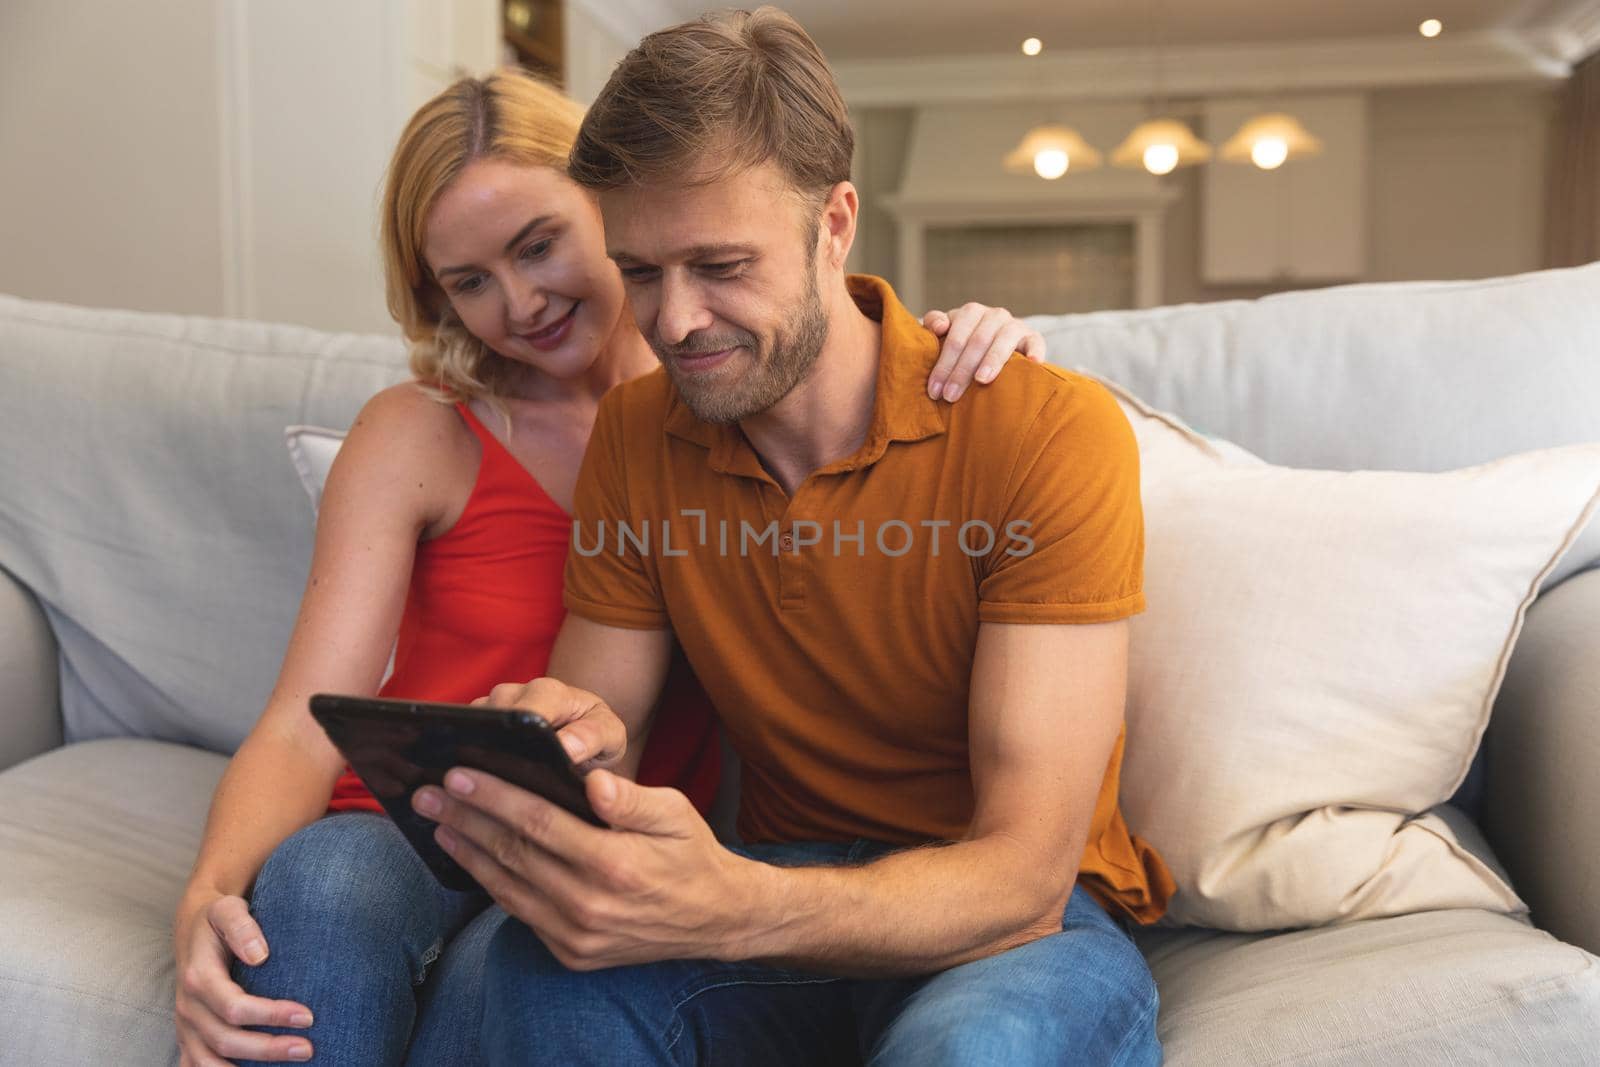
x: 1317, y: 665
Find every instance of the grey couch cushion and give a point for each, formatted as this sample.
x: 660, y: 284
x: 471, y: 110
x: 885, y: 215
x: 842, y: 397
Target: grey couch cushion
x: 1442, y: 987
x: 1422, y: 376
x: 146, y: 500
x: 1544, y: 751
x: 97, y: 840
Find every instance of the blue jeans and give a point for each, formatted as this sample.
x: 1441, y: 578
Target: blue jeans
x: 1083, y: 995
x: 388, y: 960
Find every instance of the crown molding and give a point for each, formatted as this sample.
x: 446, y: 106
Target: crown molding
x: 631, y: 20
x: 1571, y: 33
x: 1207, y: 70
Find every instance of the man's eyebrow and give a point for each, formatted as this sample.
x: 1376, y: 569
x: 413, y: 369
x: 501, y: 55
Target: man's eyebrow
x: 701, y: 252
x: 533, y: 224
x: 719, y: 251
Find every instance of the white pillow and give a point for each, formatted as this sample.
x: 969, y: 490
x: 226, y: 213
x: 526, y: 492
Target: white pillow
x: 1316, y: 666
x: 311, y: 450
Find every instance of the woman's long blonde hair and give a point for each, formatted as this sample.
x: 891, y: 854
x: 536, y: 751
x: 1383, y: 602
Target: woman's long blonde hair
x: 508, y: 115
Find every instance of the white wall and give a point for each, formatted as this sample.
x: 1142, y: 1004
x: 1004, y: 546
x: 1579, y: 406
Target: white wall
x: 109, y: 137
x: 220, y: 157
x: 314, y: 118
x: 226, y: 157
x: 314, y: 96
x: 1459, y: 180
x: 592, y: 48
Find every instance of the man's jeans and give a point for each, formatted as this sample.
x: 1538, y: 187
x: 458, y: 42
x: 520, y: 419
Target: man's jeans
x: 363, y: 935
x: 1083, y: 995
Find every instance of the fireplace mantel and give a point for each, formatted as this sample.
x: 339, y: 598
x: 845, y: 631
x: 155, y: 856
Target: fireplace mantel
x: 915, y: 218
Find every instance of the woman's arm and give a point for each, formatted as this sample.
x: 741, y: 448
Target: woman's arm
x: 398, y: 474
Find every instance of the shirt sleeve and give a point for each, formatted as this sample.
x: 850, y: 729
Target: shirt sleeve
x: 1072, y: 533
x: 607, y: 578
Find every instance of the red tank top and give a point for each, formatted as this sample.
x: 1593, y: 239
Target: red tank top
x: 484, y: 607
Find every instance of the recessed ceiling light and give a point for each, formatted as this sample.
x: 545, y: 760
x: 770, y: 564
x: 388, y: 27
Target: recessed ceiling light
x: 1032, y: 46
x: 1431, y: 28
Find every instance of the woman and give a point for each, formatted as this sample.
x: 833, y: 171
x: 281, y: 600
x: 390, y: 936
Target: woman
x: 445, y: 521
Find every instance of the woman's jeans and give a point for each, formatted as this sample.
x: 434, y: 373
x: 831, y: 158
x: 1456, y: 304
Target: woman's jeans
x: 1083, y: 995
x: 360, y: 932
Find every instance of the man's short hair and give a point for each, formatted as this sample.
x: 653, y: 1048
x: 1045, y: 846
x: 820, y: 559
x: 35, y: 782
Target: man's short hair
x: 704, y: 99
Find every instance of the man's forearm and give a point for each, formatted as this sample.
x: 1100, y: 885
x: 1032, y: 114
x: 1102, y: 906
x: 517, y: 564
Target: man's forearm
x: 910, y: 913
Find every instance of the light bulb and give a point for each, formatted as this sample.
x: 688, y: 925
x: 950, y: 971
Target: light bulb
x: 1032, y: 46
x: 1431, y: 28
x: 1050, y: 163
x: 1269, y: 152
x: 1160, y: 158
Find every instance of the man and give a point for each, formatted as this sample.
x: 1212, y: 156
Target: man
x: 910, y: 616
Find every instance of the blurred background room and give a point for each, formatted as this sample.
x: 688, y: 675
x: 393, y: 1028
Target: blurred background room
x: 223, y: 157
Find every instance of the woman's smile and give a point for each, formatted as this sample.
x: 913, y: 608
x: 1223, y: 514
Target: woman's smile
x: 548, y: 338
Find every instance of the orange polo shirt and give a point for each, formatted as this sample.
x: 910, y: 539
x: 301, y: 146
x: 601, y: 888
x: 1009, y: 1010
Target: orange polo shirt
x: 835, y: 630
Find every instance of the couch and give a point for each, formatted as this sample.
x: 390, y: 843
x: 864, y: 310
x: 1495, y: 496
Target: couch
x: 154, y: 539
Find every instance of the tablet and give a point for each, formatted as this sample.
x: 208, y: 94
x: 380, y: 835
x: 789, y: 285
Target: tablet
x: 398, y: 746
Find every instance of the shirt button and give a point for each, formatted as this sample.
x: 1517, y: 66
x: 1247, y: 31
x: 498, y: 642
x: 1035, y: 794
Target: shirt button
x: 787, y: 541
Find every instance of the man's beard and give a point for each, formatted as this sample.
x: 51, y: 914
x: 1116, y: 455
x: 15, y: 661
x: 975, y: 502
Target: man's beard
x: 769, y: 375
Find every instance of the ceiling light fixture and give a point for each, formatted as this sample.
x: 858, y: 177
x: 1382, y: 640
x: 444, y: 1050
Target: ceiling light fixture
x: 1431, y: 28
x: 1160, y: 146
x: 1269, y: 141
x: 1032, y: 46
x: 1050, y: 151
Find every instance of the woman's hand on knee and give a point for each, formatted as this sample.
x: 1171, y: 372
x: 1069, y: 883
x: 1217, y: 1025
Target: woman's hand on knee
x: 212, y: 1010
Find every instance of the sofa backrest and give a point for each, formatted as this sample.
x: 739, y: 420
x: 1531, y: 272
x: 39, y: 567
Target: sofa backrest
x: 147, y: 500
x: 1422, y: 376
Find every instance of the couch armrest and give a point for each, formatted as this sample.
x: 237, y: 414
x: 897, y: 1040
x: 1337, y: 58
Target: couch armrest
x: 30, y: 704
x: 1542, y: 804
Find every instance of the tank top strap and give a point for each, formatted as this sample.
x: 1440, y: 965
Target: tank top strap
x: 495, y: 454
x: 475, y: 424
x: 501, y: 471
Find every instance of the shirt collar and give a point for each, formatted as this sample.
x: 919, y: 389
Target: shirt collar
x: 901, y: 407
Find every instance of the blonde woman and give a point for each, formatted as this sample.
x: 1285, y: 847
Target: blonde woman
x: 308, y: 923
